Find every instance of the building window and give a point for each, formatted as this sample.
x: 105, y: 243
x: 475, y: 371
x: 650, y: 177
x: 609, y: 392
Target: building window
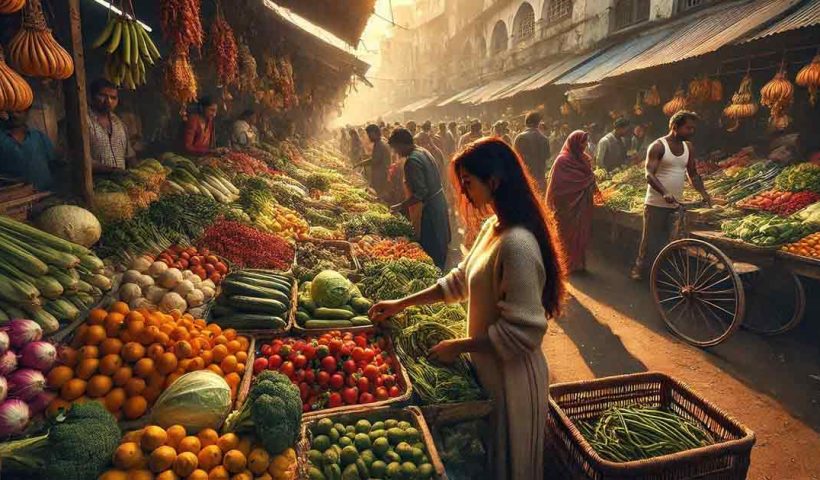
x: 687, y: 5
x: 630, y: 12
x: 557, y: 9
x: 499, y: 40
x: 524, y: 23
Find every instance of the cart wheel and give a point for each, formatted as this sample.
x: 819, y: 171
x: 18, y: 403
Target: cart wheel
x: 697, y: 291
x: 776, y: 301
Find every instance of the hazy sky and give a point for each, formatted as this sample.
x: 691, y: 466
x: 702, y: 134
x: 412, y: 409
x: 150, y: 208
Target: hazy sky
x: 376, y: 28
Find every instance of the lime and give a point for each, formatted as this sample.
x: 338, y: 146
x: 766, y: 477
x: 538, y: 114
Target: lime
x: 339, y: 428
x: 368, y: 457
x: 350, y: 429
x: 374, y: 434
x: 425, y: 471
x: 378, y: 469
x: 361, y: 441
x: 377, y: 426
x: 418, y: 456
x: 395, y: 435
x: 391, y: 423
x: 392, y: 456
x: 351, y: 472
x: 331, y: 457
x: 381, y: 446
x: 315, y: 474
x: 345, y: 441
x: 418, y: 445
x: 393, y: 470
x: 334, y: 435
x: 324, y: 426
x: 349, y: 455
x: 411, y: 435
x: 362, y: 426
x: 315, y: 457
x: 408, y: 470
x: 321, y: 442
x: 405, y: 451
x: 404, y: 425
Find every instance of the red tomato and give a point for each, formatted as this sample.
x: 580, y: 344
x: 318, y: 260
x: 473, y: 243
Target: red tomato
x: 304, y: 391
x: 215, y: 277
x: 287, y: 369
x: 389, y: 380
x: 275, y: 361
x: 260, y: 364
x: 209, y: 269
x: 381, y: 394
x: 358, y: 354
x: 380, y: 381
x: 334, y: 400
x: 299, y: 375
x: 363, y: 384
x: 349, y: 366
x: 366, y: 398
x: 350, y: 381
x: 266, y: 350
x: 336, y: 381
x: 369, y: 354
x: 335, y: 345
x: 310, y: 376
x: 299, y: 361
x: 329, y: 364
x: 211, y: 259
x: 183, y: 264
x: 185, y: 255
x: 371, y: 372
x: 360, y: 340
x: 309, y: 351
x: 350, y: 395
x: 347, y: 336
x: 322, y: 378
x: 221, y: 268
x: 306, y: 407
x: 345, y: 350
x: 394, y: 391
x: 194, y: 261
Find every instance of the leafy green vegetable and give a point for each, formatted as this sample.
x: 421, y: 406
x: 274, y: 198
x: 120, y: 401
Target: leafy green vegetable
x: 394, y: 279
x: 330, y: 289
x: 196, y: 400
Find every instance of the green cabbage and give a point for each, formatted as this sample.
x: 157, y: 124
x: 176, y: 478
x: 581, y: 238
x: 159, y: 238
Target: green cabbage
x: 196, y: 400
x: 330, y: 289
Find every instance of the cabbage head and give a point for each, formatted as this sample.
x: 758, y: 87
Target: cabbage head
x: 196, y: 400
x: 330, y: 289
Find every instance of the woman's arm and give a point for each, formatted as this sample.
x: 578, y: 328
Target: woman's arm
x: 388, y: 308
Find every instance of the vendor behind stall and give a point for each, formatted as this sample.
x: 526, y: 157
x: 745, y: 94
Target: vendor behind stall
x: 199, y: 138
x: 25, y: 152
x: 244, y: 129
x: 108, y: 137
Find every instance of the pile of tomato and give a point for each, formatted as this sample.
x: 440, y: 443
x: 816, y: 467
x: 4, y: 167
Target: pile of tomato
x: 200, y: 261
x: 334, y: 369
x: 780, y: 203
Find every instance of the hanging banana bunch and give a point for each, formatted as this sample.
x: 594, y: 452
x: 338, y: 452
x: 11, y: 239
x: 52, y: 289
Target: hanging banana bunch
x: 33, y: 49
x: 129, y: 49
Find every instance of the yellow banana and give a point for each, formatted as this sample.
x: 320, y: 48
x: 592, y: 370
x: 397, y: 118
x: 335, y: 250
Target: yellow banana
x: 116, y: 37
x: 105, y: 34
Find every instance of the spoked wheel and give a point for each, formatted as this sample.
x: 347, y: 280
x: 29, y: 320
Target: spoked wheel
x: 776, y: 301
x: 697, y: 291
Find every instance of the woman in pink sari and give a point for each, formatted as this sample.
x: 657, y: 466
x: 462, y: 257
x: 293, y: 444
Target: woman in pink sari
x: 570, y: 194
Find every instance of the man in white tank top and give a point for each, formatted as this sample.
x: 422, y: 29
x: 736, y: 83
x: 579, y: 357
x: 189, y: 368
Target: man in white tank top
x: 669, y: 161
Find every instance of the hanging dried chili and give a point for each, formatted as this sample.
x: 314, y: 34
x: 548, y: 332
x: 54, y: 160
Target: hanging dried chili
x: 224, y: 52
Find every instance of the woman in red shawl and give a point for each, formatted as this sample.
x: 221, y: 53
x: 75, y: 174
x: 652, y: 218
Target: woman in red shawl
x: 570, y: 194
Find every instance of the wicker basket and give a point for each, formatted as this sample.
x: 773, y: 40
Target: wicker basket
x: 570, y: 456
x: 410, y: 414
x: 289, y: 321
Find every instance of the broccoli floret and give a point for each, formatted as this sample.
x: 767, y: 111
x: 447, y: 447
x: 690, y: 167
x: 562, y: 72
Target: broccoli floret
x: 78, y: 446
x: 272, y: 376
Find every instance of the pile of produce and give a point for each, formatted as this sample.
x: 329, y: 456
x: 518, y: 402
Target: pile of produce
x: 239, y: 163
x: 266, y: 213
x: 744, y: 157
x: 396, y: 279
x: 623, y: 197
x: 141, y: 184
x: 330, y: 300
x: 272, y: 412
x: 46, y: 278
x: 200, y: 261
x: 384, y: 449
x: 808, y: 246
x: 384, y: 249
x: 74, y: 446
x: 247, y: 247
x: 798, y: 178
x: 781, y: 203
x: 766, y: 230
x: 125, y: 358
x: 705, y: 168
x: 129, y: 49
x: 626, y: 434
x: 253, y: 300
x: 463, y: 449
x: 24, y: 361
x: 334, y: 369
x: 187, y: 177
x: 810, y: 215
x: 738, y: 183
x: 153, y: 451
x: 157, y: 283
x: 312, y: 258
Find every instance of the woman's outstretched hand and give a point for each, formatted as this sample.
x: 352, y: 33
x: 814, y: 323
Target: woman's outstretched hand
x: 384, y: 310
x: 445, y: 351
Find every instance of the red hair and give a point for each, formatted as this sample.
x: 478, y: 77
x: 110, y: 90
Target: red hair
x: 517, y: 203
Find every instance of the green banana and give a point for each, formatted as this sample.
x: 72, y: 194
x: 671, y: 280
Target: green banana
x: 135, y: 44
x: 116, y: 37
x: 105, y: 34
x: 126, y: 42
x: 150, y: 43
x: 142, y: 51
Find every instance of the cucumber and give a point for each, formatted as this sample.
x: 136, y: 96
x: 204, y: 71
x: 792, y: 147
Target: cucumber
x: 266, y: 273
x: 280, y: 285
x: 257, y: 305
x: 48, y: 322
x: 307, y: 303
x: 264, y: 276
x: 302, y: 317
x: 361, y: 321
x: 251, y: 321
x: 361, y: 304
x: 12, y: 310
x: 316, y: 323
x: 68, y: 281
x: 236, y: 288
x: 218, y: 311
x: 348, y: 308
x: 324, y: 313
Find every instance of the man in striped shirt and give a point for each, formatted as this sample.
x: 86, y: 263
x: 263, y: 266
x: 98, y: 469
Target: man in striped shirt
x: 110, y: 149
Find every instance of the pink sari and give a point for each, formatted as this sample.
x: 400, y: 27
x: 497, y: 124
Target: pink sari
x: 570, y: 195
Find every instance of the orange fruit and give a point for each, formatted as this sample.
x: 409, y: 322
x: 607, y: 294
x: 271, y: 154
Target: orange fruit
x: 96, y: 316
x: 167, y: 475
x: 196, y: 364
x: 207, y: 356
x: 134, y: 326
x: 244, y: 445
x: 219, y: 473
x: 148, y: 335
x: 258, y: 461
x: 233, y: 380
x: 72, y: 389
x: 151, y: 393
x: 155, y: 379
x: 228, y: 364
x: 115, y: 399
x: 95, y: 335
x: 56, y: 405
x: 244, y: 343
x: 153, y: 437
x: 215, y: 368
x: 171, y: 378
x: 219, y: 353
x: 240, y: 369
x: 110, y: 346
x: 114, y: 324
x: 88, y: 351
x: 134, y: 316
x: 132, y: 351
x: 207, y: 436
x: 67, y: 356
x: 161, y: 459
x: 79, y: 336
x: 121, y: 376
x: 155, y: 350
x: 179, y: 333
x: 229, y: 333
x: 198, y: 474
x: 58, y: 376
x: 86, y: 368
x: 110, y: 364
x: 135, y: 407
x: 167, y: 363
x: 233, y: 346
x: 183, y: 349
x: 113, y: 475
x: 185, y: 464
x: 119, y: 307
x: 190, y: 444
x: 209, y: 457
x: 141, y: 474
x: 234, y: 461
x: 175, y: 434
x: 127, y: 455
x: 134, y: 386
x: 214, y: 329
x: 241, y: 356
x: 98, y: 386
x: 143, y: 367
x: 226, y: 442
x: 220, y: 340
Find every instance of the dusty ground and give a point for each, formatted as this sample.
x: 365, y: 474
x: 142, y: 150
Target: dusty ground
x: 771, y: 385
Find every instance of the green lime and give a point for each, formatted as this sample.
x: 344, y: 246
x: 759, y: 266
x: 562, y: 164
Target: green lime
x: 368, y: 457
x: 362, y: 426
x: 330, y: 457
x: 418, y: 456
x: 324, y: 426
x: 351, y: 472
x: 391, y: 423
x: 361, y: 441
x: 425, y: 471
x: 334, y: 435
x: 377, y: 426
x: 339, y: 428
x: 411, y: 435
x: 315, y: 457
x: 404, y: 425
x: 315, y: 474
x: 395, y: 435
x: 408, y: 470
x: 418, y: 445
x: 349, y: 455
x: 381, y: 446
x: 345, y: 441
x: 392, y: 456
x: 393, y: 470
x: 405, y: 451
x: 321, y: 442
x: 378, y: 469
x: 350, y: 429
x: 374, y: 434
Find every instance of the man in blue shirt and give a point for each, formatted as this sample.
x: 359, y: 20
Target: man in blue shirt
x: 25, y: 152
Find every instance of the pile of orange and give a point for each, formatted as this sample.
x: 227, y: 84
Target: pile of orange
x: 172, y: 454
x: 125, y: 358
x: 808, y: 246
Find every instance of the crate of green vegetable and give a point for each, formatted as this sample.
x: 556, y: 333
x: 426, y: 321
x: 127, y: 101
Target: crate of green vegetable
x: 641, y: 426
x: 255, y: 301
x: 331, y: 302
x: 314, y: 255
x: 369, y: 443
x: 462, y: 434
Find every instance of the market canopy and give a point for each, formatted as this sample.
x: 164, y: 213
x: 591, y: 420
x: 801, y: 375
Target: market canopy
x: 547, y: 75
x: 345, y: 19
x: 458, y: 96
x: 708, y: 32
x: 417, y: 105
x: 805, y: 16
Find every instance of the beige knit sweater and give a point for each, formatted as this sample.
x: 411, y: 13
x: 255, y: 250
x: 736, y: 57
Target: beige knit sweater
x: 502, y: 279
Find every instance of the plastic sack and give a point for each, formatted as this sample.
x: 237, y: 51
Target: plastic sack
x: 196, y: 400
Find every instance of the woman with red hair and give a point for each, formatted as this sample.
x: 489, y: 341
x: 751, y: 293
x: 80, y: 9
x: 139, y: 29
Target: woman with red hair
x: 570, y: 195
x: 512, y: 280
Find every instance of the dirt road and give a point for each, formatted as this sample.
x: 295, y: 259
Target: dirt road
x: 771, y: 385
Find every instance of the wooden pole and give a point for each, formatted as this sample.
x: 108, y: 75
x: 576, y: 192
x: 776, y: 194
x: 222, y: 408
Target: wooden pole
x: 76, y: 101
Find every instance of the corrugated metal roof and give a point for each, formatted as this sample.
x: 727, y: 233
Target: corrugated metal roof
x: 460, y: 95
x: 805, y: 16
x: 599, y: 67
x: 547, y: 74
x: 713, y: 29
x: 416, y: 105
x: 488, y: 92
